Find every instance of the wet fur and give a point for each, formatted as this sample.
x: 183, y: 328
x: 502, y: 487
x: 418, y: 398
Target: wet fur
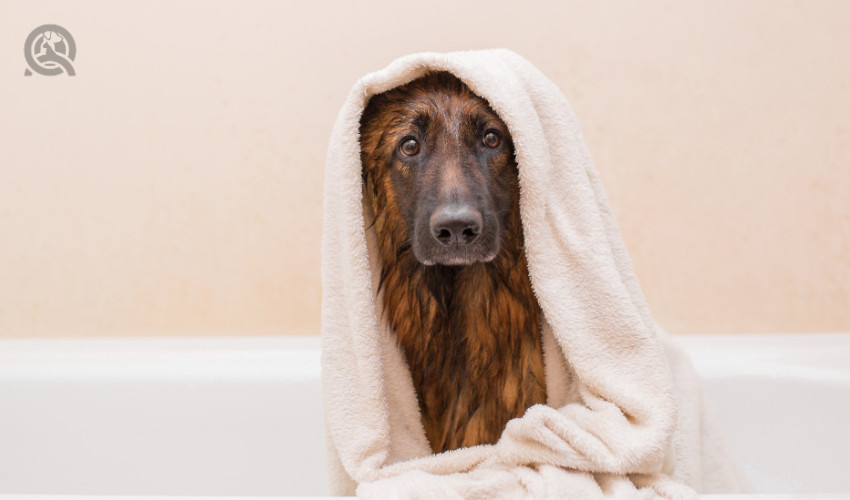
x: 470, y: 334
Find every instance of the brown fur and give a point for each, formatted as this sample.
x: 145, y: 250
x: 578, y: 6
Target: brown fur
x: 470, y: 334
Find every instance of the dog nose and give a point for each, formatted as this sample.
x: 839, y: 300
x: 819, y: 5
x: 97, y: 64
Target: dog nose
x: 456, y: 224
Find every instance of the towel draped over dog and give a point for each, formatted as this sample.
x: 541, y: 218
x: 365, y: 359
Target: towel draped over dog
x: 625, y: 413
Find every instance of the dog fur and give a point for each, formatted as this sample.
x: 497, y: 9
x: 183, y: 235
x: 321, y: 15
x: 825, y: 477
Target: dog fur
x: 466, y: 320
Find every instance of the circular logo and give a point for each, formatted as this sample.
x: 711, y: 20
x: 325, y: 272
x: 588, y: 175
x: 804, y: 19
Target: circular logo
x: 50, y: 50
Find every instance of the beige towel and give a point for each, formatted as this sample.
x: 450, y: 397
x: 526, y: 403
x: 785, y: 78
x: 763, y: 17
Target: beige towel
x: 625, y: 415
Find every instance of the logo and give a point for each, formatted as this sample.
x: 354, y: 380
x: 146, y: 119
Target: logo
x: 50, y: 50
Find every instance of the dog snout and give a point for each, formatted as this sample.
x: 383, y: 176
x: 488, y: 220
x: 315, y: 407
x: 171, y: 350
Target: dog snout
x: 456, y: 224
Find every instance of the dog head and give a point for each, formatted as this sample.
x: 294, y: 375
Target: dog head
x: 437, y: 154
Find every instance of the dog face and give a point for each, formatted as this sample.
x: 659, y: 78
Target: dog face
x: 441, y: 157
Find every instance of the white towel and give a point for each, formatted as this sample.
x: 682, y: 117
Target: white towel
x: 625, y: 414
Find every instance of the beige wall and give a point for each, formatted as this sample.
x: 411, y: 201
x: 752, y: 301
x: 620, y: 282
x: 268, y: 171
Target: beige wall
x: 174, y: 185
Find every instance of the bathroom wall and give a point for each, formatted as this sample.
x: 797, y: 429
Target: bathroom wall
x: 173, y: 186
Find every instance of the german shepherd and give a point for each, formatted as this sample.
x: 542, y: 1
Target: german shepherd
x: 440, y: 175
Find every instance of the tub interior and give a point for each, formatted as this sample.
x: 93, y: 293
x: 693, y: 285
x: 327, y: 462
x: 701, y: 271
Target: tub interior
x: 242, y: 416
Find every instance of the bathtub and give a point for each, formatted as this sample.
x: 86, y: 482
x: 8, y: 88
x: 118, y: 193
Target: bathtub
x: 242, y: 416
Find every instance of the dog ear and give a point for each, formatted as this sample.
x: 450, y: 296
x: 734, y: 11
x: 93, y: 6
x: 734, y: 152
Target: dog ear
x: 367, y: 167
x: 369, y: 200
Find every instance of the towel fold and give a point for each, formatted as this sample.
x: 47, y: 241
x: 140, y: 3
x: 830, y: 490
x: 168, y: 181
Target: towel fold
x: 625, y: 414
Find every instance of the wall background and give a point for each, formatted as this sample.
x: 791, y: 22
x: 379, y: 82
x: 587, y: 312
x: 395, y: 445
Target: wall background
x: 173, y: 187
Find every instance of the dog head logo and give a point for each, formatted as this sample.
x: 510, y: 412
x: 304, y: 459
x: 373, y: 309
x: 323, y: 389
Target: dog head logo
x: 50, y: 50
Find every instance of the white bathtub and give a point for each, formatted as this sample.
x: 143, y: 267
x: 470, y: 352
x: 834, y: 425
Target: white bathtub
x: 242, y: 416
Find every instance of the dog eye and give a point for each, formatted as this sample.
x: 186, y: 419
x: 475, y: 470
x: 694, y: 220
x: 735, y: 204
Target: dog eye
x: 409, y: 146
x: 492, y: 139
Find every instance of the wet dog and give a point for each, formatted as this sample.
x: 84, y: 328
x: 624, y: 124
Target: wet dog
x: 440, y: 177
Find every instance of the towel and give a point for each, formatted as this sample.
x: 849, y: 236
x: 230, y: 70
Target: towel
x: 625, y: 415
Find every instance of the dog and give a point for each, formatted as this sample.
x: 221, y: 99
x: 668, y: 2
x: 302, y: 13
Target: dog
x: 441, y: 179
